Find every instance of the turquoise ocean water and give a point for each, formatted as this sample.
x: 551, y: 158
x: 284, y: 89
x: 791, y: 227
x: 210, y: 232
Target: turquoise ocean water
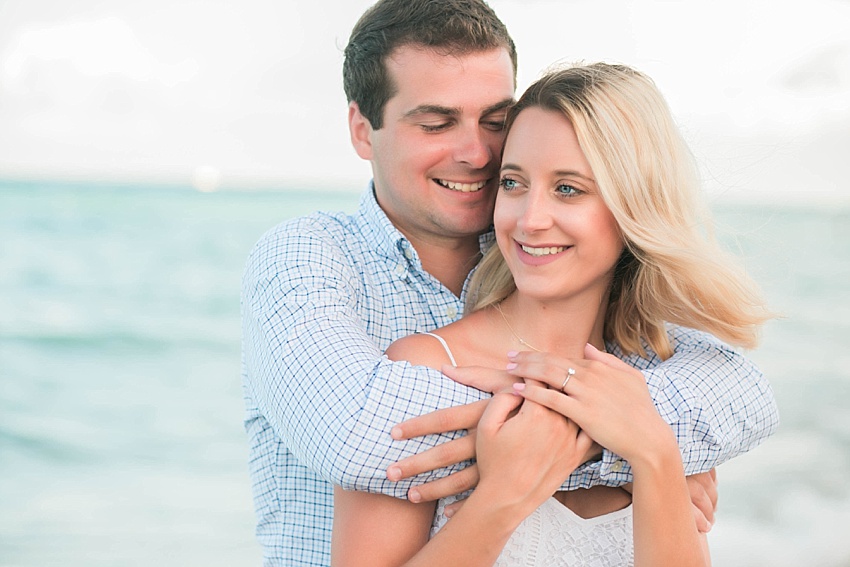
x: 121, y: 441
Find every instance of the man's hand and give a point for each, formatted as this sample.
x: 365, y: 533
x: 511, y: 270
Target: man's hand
x: 703, y: 489
x: 443, y: 455
x: 442, y: 421
x: 481, y: 378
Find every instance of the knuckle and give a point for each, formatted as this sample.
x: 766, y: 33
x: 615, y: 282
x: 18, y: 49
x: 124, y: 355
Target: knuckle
x: 461, y: 481
x: 447, y: 452
x: 445, y: 420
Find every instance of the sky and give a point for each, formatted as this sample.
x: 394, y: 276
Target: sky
x: 248, y: 93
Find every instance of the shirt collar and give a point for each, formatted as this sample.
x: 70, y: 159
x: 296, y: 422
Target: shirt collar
x: 379, y: 231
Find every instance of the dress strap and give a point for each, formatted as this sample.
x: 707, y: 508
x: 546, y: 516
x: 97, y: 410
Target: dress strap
x: 445, y: 346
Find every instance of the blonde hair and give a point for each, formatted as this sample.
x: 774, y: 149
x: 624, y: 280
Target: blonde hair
x: 671, y: 269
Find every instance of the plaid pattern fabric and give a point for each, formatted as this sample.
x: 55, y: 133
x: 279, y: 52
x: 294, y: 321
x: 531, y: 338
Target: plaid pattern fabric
x: 323, y: 296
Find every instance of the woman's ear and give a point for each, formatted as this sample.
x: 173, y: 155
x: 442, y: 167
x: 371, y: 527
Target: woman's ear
x: 360, y: 130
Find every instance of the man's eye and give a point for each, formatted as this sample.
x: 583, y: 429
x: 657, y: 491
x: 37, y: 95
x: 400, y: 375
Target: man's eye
x: 435, y: 127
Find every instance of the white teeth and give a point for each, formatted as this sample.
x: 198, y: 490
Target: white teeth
x: 463, y: 187
x: 543, y: 251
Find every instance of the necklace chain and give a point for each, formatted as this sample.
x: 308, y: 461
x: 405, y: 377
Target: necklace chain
x: 522, y: 341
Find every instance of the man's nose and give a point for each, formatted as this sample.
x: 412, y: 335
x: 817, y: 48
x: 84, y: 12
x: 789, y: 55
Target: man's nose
x: 476, y: 147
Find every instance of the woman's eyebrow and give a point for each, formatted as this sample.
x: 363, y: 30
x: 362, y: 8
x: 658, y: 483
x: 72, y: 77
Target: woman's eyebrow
x: 558, y: 173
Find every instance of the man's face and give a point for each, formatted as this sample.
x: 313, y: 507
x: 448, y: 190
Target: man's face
x: 436, y: 160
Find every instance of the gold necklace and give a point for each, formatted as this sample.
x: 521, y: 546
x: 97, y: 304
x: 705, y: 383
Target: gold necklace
x: 498, y: 307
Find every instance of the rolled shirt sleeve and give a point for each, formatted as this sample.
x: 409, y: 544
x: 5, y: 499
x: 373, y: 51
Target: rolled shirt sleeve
x: 717, y: 401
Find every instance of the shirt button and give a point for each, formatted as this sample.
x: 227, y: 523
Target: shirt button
x: 408, y: 253
x: 617, y: 467
x: 399, y: 269
x: 451, y: 312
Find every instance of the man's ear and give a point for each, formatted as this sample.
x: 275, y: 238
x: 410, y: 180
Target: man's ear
x: 360, y: 130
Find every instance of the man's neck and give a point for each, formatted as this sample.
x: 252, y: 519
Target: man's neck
x: 449, y: 262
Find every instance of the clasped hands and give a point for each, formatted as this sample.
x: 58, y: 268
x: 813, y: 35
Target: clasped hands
x: 543, y: 374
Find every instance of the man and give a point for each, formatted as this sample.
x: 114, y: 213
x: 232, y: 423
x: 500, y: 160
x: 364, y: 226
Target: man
x: 428, y: 83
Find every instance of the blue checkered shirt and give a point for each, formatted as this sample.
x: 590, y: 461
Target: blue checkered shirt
x: 323, y: 296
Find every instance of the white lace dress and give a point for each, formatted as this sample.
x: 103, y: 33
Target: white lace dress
x: 555, y: 536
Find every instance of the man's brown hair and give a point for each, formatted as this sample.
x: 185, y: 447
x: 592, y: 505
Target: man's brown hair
x: 451, y: 27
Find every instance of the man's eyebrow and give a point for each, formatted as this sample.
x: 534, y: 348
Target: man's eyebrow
x: 432, y: 109
x: 499, y: 106
x: 452, y: 111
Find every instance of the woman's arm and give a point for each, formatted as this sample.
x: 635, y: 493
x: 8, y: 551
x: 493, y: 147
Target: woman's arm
x: 374, y: 529
x: 617, y: 411
x: 662, y: 506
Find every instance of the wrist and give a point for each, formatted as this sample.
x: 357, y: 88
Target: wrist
x: 502, y: 510
x: 658, y: 454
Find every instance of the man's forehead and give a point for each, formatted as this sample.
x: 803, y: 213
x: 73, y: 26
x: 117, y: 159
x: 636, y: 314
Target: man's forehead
x: 413, y: 54
x: 426, y: 81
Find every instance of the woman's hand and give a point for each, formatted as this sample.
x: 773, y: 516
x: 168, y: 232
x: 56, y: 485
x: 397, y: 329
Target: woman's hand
x: 606, y: 397
x: 525, y: 451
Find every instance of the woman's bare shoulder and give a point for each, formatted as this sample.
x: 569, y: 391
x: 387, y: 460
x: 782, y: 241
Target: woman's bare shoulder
x: 419, y: 349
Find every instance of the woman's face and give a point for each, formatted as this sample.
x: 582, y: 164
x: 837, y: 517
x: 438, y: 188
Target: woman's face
x: 552, y: 226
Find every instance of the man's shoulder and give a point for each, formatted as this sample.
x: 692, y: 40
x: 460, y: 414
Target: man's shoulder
x: 323, y: 225
x: 316, y: 231
x: 687, y: 339
x: 688, y: 344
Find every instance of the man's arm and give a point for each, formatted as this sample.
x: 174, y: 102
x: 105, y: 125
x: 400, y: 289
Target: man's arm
x: 314, y: 372
x: 717, y: 401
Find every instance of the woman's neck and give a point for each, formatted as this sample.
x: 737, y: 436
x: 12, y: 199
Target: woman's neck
x: 562, y: 327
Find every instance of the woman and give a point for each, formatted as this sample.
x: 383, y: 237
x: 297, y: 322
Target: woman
x: 600, y: 241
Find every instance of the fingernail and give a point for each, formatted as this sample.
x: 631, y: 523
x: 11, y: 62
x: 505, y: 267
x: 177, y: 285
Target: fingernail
x: 449, y: 512
x: 396, y: 432
x: 512, y: 354
x: 414, y: 496
x: 394, y: 473
x: 519, y: 386
x: 511, y: 366
x: 591, y: 346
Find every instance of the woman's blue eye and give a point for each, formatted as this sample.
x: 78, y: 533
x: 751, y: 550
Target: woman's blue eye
x: 507, y: 183
x: 567, y: 190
